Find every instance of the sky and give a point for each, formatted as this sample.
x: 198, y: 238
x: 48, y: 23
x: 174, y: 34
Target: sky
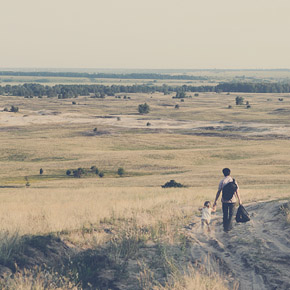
x: 151, y: 34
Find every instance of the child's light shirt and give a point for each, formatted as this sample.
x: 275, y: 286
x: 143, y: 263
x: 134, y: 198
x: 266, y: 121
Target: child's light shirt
x: 206, y: 213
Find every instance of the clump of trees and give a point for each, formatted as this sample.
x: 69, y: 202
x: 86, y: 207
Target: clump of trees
x: 180, y: 95
x: 143, y: 108
x: 172, y: 183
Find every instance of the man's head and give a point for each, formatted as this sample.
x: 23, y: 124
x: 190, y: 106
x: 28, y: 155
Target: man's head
x: 226, y: 171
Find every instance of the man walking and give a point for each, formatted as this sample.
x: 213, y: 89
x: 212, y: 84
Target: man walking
x: 228, y: 199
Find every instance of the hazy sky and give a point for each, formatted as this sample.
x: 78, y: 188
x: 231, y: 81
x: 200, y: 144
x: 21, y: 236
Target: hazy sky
x: 145, y: 34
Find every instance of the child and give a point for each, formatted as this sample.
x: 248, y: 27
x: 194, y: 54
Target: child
x: 206, y: 214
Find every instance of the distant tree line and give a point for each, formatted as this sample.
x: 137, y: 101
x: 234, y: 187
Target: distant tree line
x: 254, y: 87
x: 73, y: 91
x: 146, y: 76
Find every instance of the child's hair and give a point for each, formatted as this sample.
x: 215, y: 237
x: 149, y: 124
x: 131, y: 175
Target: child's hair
x: 207, y: 203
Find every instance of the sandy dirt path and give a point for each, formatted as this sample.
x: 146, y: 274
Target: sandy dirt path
x: 253, y: 256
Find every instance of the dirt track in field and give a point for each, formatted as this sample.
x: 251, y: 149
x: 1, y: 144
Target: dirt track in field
x: 254, y: 255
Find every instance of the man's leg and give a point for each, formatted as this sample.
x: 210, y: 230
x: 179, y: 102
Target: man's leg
x: 231, y: 208
x: 225, y: 216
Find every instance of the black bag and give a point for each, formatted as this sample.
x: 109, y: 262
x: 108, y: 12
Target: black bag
x: 229, y: 190
x: 242, y: 215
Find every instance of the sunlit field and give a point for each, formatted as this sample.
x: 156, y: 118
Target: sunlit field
x: 190, y: 144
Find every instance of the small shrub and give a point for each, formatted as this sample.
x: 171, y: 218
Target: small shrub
x: 118, y: 119
x: 176, y: 106
x: 121, y: 171
x: 248, y: 106
x: 73, y: 103
x: 93, y: 168
x: 148, y: 124
x: 172, y: 183
x: 68, y: 173
x: 230, y: 107
x: 182, y: 100
x: 281, y: 99
x: 5, y: 110
x: 196, y: 94
x: 101, y: 174
x: 97, y: 171
x: 40, y: 171
x: 95, y: 129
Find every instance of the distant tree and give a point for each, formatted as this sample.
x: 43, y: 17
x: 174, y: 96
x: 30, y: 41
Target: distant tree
x: 143, y: 108
x: 118, y: 118
x: 74, y: 103
x: 121, y: 171
x: 148, y: 124
x: 239, y: 100
x: 176, y: 106
x: 68, y: 172
x: 281, y: 99
x: 182, y: 100
x: 95, y: 129
x: 27, y: 184
x: 196, y: 94
x: 40, y: 171
x: 230, y: 107
x: 248, y: 106
x: 247, y: 103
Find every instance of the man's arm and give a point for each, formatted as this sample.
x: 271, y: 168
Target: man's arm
x: 217, y: 197
x: 239, y: 197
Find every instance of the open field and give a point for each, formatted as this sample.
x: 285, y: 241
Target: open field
x: 210, y: 77
x: 131, y: 221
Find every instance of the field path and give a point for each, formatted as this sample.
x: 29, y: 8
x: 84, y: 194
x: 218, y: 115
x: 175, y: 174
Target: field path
x: 253, y: 256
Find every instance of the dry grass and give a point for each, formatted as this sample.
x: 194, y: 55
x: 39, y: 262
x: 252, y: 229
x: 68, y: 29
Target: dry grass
x: 194, y: 280
x: 77, y: 208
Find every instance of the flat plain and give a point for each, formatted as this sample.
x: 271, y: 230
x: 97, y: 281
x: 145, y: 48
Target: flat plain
x: 131, y: 218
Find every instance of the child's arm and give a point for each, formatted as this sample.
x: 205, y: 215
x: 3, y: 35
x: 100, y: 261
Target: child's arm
x: 213, y: 208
